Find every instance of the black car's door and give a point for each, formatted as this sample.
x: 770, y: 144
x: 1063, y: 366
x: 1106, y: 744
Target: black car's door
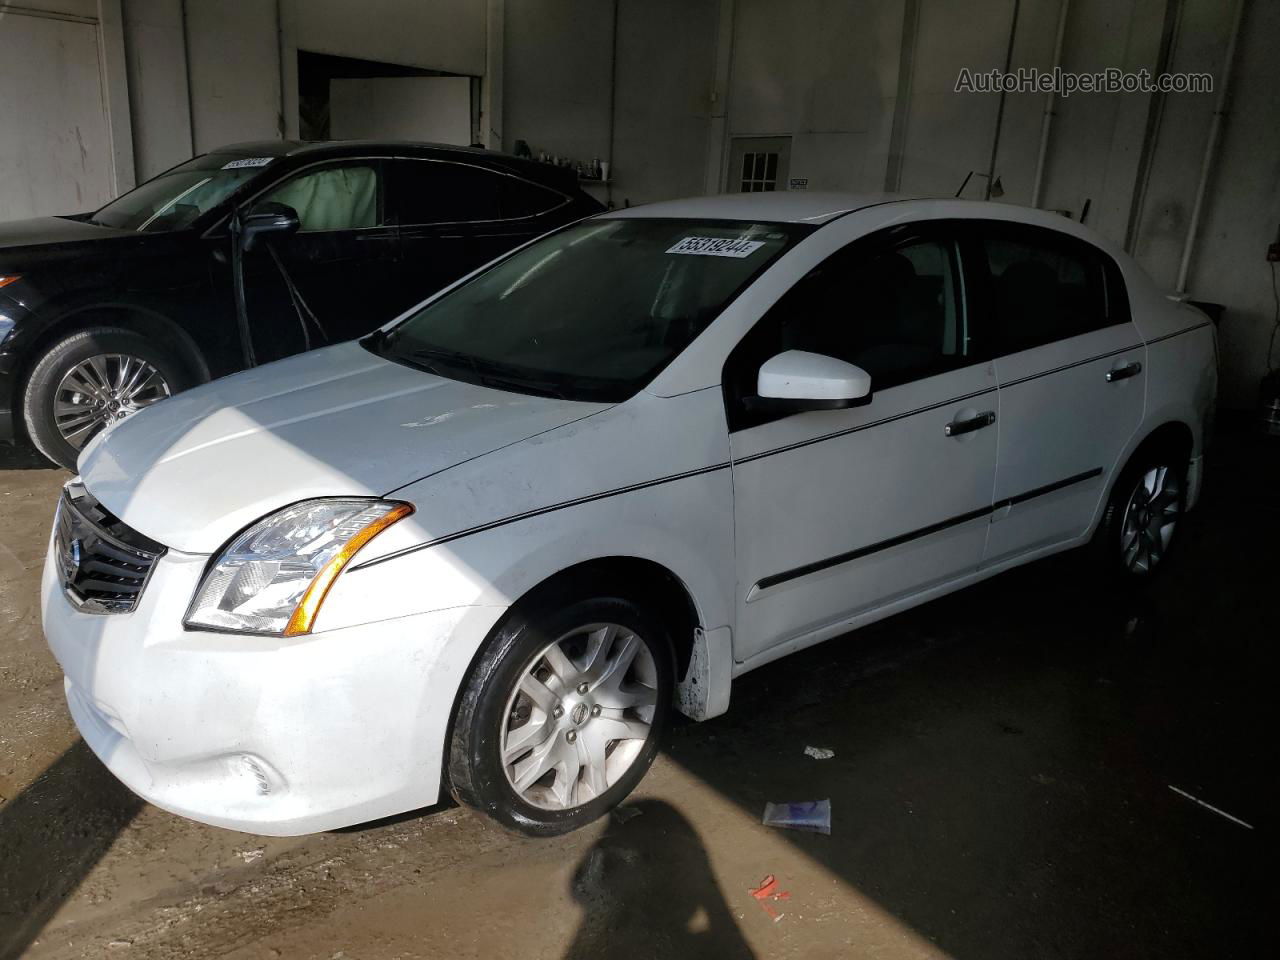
x: 342, y: 262
x: 456, y: 216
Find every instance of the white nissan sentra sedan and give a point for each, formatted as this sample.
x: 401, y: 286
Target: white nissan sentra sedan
x: 489, y: 548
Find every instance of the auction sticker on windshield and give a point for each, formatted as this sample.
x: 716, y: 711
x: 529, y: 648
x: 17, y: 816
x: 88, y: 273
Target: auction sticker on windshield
x: 247, y: 162
x: 717, y: 247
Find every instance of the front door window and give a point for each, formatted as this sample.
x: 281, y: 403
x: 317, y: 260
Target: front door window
x: 335, y: 197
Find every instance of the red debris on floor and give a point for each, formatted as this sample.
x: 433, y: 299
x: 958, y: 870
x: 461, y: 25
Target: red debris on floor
x: 768, y: 890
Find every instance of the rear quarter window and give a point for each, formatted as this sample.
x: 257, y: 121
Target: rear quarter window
x: 520, y: 199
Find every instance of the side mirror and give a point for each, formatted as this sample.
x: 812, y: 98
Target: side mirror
x: 798, y: 380
x: 263, y: 220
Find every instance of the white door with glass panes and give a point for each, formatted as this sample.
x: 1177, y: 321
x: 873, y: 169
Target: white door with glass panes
x: 759, y: 164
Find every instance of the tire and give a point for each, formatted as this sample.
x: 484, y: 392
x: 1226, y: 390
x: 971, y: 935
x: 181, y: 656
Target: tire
x: 1134, y: 538
x: 103, y: 355
x: 496, y: 710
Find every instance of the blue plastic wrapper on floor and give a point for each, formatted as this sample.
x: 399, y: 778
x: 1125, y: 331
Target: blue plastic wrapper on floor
x: 811, y: 815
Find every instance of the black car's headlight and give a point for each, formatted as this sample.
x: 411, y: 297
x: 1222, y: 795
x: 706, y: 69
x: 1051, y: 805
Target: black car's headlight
x: 272, y: 578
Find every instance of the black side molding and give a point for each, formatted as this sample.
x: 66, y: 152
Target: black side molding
x: 818, y: 565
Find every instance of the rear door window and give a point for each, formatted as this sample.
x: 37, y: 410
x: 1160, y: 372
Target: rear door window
x: 434, y: 191
x: 520, y: 199
x: 1044, y: 287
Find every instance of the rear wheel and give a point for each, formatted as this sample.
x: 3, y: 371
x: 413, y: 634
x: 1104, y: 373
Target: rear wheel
x: 1143, y: 514
x: 91, y: 379
x: 562, y: 715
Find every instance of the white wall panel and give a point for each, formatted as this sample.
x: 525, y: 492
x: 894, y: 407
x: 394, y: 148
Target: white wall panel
x: 665, y: 64
x: 156, y: 54
x: 447, y: 35
x: 1242, y: 212
x: 234, y: 53
x: 948, y: 133
x: 55, y: 150
x: 557, y: 72
x: 825, y: 73
x: 434, y: 109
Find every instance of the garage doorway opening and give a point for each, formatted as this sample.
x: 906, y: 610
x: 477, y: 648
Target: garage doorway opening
x: 345, y: 98
x: 759, y: 164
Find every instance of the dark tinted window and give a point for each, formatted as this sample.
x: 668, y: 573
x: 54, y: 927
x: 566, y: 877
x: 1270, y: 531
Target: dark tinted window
x: 895, y: 313
x: 430, y: 191
x: 1044, y: 287
x: 520, y: 198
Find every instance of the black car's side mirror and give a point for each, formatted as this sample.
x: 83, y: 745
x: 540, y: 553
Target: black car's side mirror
x: 265, y: 219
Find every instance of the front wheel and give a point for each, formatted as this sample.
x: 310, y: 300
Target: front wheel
x: 91, y: 379
x: 563, y: 715
x: 1141, y: 518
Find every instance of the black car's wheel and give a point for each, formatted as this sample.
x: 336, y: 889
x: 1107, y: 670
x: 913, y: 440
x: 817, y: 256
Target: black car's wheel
x: 1142, y: 515
x: 90, y: 379
x: 562, y: 715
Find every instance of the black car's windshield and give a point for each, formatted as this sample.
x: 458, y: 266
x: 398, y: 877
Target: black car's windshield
x: 177, y: 197
x: 592, y: 312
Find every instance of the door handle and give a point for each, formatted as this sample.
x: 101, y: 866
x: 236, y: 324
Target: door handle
x: 957, y: 427
x: 1123, y: 373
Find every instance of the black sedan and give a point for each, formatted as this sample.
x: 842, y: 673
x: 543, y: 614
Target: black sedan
x: 244, y: 255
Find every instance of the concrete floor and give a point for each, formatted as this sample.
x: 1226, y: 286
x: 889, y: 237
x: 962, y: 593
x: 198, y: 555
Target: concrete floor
x: 1001, y: 788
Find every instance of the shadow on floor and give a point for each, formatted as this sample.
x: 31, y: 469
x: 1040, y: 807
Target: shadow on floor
x: 20, y: 455
x: 42, y: 860
x: 1003, y: 757
x: 654, y: 858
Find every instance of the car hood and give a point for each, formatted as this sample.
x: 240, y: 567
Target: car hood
x: 192, y: 471
x: 46, y: 231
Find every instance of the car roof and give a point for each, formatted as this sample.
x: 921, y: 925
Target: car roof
x: 300, y: 151
x: 790, y: 206
x: 797, y: 206
x: 291, y: 148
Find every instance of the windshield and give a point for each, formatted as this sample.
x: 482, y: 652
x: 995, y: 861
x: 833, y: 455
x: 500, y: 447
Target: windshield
x: 177, y: 197
x: 592, y: 312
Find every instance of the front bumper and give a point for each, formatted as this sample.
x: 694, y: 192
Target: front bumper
x: 266, y: 735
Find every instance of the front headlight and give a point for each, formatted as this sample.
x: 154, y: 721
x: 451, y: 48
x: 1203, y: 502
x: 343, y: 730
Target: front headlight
x: 273, y: 577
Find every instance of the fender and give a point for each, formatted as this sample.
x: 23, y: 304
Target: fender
x: 130, y: 316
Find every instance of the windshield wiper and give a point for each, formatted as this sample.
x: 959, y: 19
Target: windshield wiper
x: 486, y: 373
x: 455, y: 357
x: 542, y: 387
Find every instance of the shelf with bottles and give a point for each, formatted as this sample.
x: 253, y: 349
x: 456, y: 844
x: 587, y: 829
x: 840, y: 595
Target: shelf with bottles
x: 594, y: 170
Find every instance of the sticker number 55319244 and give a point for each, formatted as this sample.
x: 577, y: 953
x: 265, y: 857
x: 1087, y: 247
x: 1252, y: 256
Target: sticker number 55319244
x: 716, y: 247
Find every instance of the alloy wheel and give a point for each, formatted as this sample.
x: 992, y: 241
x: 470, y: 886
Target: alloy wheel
x: 1150, y: 518
x: 101, y: 390
x: 579, y: 716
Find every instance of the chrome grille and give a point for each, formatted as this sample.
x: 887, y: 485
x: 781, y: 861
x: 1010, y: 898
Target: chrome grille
x: 102, y: 563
